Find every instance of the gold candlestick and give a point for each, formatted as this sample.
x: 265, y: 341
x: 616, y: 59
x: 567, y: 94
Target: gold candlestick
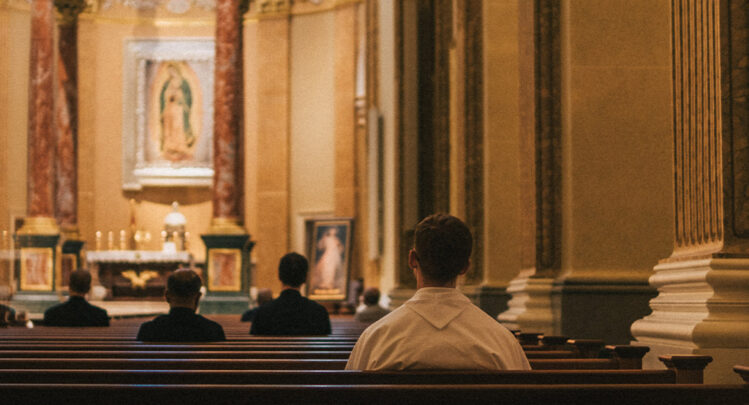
x: 185, y: 243
x: 5, y: 240
x: 163, y: 239
x: 98, y: 240
x: 110, y: 240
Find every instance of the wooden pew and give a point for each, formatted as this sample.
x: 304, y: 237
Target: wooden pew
x: 345, y: 377
x: 683, y: 394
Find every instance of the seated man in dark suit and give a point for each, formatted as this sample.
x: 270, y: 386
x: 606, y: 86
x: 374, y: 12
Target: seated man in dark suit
x: 264, y: 296
x: 76, y: 311
x: 7, y: 315
x: 182, y: 324
x: 290, y: 313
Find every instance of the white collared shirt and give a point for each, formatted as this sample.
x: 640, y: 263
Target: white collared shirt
x: 438, y: 328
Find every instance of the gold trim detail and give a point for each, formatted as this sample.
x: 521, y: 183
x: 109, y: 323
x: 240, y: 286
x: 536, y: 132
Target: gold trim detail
x: 226, y: 226
x: 27, y: 254
x: 236, y: 276
x: 39, y: 226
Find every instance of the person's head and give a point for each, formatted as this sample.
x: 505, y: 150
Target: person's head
x: 264, y: 295
x: 442, y: 250
x: 183, y: 289
x: 292, y: 270
x: 79, y: 282
x: 371, y: 296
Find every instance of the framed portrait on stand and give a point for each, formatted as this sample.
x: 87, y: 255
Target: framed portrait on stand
x: 329, y: 250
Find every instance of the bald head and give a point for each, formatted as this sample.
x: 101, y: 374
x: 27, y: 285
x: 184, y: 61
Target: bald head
x: 183, y: 289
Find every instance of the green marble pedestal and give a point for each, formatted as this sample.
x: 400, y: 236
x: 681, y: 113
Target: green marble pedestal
x: 36, y: 273
x: 227, y: 274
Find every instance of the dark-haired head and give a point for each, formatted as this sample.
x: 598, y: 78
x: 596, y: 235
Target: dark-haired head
x: 183, y: 288
x: 442, y: 247
x: 292, y: 270
x: 371, y: 296
x: 79, y: 282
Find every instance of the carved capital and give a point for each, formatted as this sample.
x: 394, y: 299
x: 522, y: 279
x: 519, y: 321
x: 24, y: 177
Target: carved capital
x: 69, y: 10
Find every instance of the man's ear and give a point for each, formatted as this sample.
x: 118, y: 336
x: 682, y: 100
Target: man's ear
x: 413, y: 261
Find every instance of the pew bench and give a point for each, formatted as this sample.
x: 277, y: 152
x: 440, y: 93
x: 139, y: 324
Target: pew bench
x: 634, y: 394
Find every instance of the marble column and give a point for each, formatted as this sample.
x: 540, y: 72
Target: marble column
x: 41, y: 134
x: 540, y: 164
x: 66, y: 125
x: 39, y: 234
x: 702, y: 305
x: 227, y: 277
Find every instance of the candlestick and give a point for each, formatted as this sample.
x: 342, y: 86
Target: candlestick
x: 98, y: 240
x: 123, y: 240
x: 163, y: 239
x: 5, y: 240
x: 185, y: 243
x: 110, y: 240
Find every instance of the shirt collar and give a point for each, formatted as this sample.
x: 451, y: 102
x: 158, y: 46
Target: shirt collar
x: 438, y: 305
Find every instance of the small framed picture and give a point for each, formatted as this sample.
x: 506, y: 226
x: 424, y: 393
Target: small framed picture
x: 36, y: 269
x: 329, y: 250
x: 224, y: 270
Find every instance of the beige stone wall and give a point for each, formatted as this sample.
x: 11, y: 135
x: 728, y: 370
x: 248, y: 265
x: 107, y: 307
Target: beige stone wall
x: 15, y: 31
x: 502, y: 233
x: 313, y: 120
x: 103, y: 205
x: 617, y: 143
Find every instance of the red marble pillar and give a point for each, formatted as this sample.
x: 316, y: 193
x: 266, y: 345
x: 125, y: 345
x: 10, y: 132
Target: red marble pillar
x: 66, y: 114
x: 41, y: 136
x: 227, y: 153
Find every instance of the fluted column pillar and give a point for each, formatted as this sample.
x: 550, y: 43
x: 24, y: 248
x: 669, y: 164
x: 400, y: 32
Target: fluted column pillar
x: 66, y: 126
x: 40, y: 233
x: 227, y: 277
x: 702, y: 305
x: 540, y: 131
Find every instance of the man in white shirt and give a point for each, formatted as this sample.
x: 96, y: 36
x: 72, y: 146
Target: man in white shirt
x: 439, y: 327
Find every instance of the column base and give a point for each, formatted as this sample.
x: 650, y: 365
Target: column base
x: 530, y: 307
x: 491, y: 299
x: 39, y: 226
x: 224, y: 304
x: 34, y: 303
x: 227, y: 273
x: 599, y: 308
x: 702, y: 308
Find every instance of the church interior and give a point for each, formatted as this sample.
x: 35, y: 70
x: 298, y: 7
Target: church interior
x: 597, y: 149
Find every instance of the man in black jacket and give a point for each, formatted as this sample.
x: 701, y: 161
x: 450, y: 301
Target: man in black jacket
x: 76, y: 311
x: 182, y: 324
x: 290, y: 313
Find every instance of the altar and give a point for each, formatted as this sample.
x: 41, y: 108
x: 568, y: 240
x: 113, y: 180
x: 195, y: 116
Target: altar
x: 135, y: 274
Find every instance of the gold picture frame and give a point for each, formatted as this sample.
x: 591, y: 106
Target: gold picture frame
x: 37, y: 269
x: 329, y: 246
x: 224, y: 270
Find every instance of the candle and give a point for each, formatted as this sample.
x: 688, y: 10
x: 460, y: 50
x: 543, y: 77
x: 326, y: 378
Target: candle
x: 98, y: 240
x: 187, y: 239
x: 123, y: 240
x: 163, y: 239
x: 110, y: 240
x: 175, y: 237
